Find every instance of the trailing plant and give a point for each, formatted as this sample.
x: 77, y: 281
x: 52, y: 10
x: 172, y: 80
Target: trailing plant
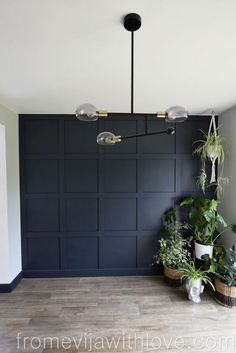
x: 221, y: 182
x: 191, y: 273
x: 204, y: 219
x: 211, y: 148
x: 202, y: 179
x: 173, y: 249
x: 172, y: 227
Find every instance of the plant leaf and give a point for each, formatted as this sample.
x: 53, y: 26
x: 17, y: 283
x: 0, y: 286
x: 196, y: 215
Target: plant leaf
x: 187, y: 201
x: 221, y: 220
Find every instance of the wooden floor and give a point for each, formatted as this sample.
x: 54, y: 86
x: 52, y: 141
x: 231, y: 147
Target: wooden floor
x: 112, y: 314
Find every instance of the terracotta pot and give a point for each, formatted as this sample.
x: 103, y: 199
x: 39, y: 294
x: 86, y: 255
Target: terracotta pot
x: 225, y: 295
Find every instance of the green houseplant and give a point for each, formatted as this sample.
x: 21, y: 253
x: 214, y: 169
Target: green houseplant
x: 225, y: 283
x: 212, y: 148
x: 173, y: 248
x: 194, y: 280
x: 204, y: 220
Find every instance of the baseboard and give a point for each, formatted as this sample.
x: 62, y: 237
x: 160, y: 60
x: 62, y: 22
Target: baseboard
x: 91, y: 273
x: 9, y: 287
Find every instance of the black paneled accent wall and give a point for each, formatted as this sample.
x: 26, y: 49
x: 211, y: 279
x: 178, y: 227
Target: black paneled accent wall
x: 94, y: 210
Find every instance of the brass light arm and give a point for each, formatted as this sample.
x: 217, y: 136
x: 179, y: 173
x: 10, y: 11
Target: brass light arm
x: 102, y: 113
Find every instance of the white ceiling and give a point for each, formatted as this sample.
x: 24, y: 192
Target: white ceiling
x: 57, y: 54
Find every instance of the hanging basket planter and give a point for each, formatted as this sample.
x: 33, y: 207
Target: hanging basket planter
x: 211, y: 148
x: 224, y: 294
x: 172, y: 277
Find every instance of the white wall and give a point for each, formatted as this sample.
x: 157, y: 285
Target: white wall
x: 4, y: 246
x: 10, y: 239
x: 228, y: 206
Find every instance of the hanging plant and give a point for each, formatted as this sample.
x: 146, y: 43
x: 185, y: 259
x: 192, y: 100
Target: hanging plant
x: 202, y: 179
x: 211, y: 148
x: 222, y: 181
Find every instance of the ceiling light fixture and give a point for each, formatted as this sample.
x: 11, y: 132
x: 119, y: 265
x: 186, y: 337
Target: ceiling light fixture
x: 88, y: 112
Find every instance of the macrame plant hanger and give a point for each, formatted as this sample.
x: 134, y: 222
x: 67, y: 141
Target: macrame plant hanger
x: 212, y: 155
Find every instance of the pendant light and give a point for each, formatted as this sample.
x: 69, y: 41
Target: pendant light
x: 108, y: 138
x: 88, y: 112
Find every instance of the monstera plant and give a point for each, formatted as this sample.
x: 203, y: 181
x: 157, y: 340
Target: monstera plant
x: 205, y: 220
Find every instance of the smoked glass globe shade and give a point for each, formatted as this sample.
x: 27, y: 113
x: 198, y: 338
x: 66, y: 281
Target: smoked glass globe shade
x: 176, y: 114
x: 105, y: 138
x: 86, y: 112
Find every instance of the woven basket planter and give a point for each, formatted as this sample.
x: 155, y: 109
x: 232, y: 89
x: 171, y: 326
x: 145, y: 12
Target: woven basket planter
x: 172, y: 277
x: 225, y: 295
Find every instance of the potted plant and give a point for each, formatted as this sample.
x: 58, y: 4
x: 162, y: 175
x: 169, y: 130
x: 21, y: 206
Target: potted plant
x: 204, y: 220
x: 194, y: 281
x: 225, y: 282
x: 173, y: 249
x: 212, y: 148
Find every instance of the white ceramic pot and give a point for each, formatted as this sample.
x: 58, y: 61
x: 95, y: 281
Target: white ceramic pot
x: 201, y: 249
x: 194, y: 289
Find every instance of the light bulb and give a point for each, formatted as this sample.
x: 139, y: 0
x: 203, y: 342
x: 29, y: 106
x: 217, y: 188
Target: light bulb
x: 176, y: 114
x: 106, y: 138
x: 86, y: 112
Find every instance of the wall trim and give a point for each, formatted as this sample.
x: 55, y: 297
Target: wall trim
x: 9, y: 287
x: 62, y: 246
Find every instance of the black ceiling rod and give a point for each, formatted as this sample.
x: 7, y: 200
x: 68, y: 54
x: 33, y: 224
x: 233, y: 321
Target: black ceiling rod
x: 132, y: 22
x: 169, y: 131
x: 132, y: 72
